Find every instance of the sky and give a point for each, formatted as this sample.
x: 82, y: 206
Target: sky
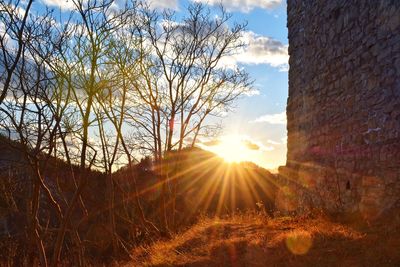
x: 256, y: 129
x: 260, y: 119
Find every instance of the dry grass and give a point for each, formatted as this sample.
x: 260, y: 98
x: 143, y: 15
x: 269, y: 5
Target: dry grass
x: 255, y: 240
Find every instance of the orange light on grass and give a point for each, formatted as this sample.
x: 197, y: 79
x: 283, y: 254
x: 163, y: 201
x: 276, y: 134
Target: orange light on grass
x: 299, y: 242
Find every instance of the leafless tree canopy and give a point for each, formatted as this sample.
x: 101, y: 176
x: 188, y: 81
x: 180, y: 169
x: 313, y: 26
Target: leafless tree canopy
x: 96, y: 92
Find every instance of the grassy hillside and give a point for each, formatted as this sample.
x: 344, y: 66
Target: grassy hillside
x: 203, y: 183
x: 223, y: 217
x: 255, y: 240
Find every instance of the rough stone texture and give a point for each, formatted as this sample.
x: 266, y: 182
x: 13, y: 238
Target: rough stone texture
x: 344, y: 104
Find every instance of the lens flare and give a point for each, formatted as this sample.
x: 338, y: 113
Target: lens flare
x: 299, y: 242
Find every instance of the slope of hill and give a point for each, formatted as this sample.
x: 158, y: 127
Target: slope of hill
x: 201, y: 183
x: 204, y: 184
x: 255, y: 240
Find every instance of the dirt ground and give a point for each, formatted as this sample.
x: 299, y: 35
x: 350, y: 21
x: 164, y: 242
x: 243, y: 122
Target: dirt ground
x: 256, y: 240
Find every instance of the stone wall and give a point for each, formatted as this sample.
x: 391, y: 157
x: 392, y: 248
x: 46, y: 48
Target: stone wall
x: 344, y: 104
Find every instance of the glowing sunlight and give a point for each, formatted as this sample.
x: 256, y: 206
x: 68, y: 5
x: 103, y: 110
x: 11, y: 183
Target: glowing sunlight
x: 234, y: 148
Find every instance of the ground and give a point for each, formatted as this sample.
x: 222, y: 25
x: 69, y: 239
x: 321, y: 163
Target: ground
x: 257, y: 240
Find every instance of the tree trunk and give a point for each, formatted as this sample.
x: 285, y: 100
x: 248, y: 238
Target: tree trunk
x: 111, y: 211
x: 35, y: 240
x: 61, y: 233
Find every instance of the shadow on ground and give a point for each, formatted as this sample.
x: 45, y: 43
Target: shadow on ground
x: 254, y: 240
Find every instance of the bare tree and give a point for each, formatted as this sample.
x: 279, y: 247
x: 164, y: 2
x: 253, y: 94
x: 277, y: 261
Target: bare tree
x: 12, y: 40
x: 31, y: 115
x: 118, y: 103
x: 96, y: 22
x: 183, y: 77
x: 108, y: 85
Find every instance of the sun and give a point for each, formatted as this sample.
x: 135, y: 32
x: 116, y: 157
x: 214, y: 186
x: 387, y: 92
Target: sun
x: 242, y: 148
x: 233, y: 149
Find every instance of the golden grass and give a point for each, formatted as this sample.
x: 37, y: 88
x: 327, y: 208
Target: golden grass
x: 255, y: 240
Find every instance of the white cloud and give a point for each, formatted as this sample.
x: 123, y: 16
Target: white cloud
x: 67, y: 5
x: 272, y: 142
x: 263, y: 50
x: 252, y: 92
x: 62, y: 4
x: 255, y: 145
x: 243, y: 5
x: 258, y: 50
x: 279, y: 118
x: 163, y: 4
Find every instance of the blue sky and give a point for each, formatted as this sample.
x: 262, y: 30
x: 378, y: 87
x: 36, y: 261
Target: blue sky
x: 259, y: 118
